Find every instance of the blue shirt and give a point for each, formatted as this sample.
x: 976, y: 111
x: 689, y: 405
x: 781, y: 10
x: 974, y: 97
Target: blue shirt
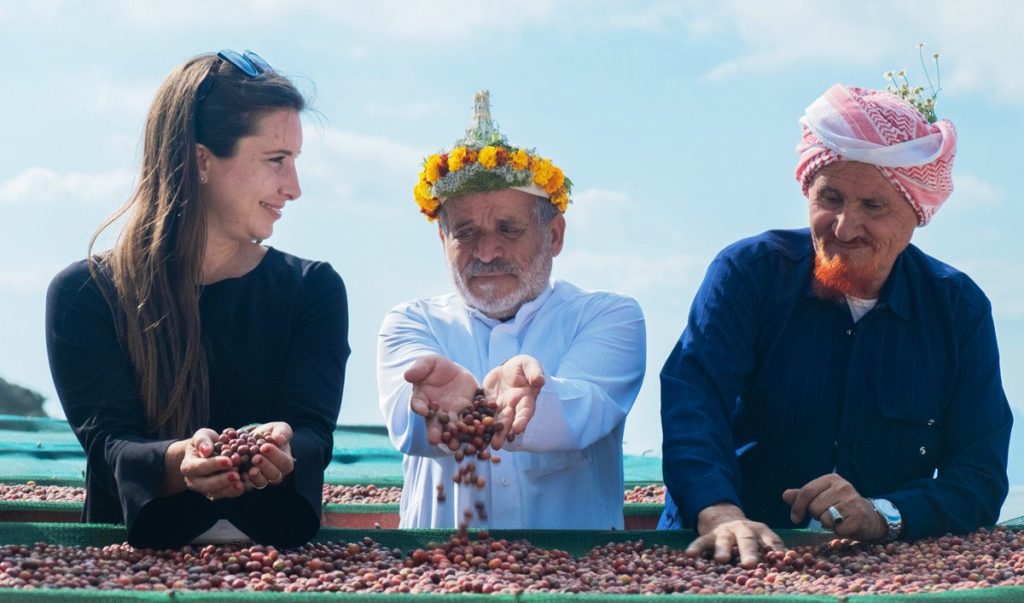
x: 770, y: 387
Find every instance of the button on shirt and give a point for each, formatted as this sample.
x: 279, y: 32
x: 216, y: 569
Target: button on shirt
x: 771, y: 386
x: 565, y: 470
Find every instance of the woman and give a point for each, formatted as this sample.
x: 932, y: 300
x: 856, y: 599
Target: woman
x: 189, y: 325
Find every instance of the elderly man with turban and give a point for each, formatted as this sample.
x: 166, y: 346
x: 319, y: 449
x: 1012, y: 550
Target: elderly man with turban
x: 838, y: 374
x: 562, y: 365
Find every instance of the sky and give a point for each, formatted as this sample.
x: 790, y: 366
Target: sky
x: 675, y: 120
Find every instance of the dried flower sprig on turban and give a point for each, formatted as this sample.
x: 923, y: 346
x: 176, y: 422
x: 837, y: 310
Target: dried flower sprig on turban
x: 900, y: 85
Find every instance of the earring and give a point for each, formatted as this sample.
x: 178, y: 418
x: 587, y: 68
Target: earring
x: 202, y: 179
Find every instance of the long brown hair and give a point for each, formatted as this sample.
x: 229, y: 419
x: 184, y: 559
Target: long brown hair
x: 155, y: 266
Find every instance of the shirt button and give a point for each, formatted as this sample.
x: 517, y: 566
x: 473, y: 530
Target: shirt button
x: 504, y: 481
x: 849, y: 332
x: 835, y: 444
x: 924, y: 451
x: 931, y: 422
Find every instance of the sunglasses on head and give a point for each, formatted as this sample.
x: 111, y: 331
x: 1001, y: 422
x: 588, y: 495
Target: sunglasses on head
x: 249, y: 62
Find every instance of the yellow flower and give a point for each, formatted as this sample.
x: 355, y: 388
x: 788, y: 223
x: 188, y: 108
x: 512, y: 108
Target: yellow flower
x: 488, y: 157
x: 456, y: 159
x: 427, y: 202
x: 432, y: 169
x: 422, y: 192
x: 520, y: 160
x: 543, y: 171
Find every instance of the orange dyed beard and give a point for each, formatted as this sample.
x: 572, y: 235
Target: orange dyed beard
x: 834, y: 277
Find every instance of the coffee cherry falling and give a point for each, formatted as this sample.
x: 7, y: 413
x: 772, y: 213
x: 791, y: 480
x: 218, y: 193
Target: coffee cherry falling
x: 469, y: 435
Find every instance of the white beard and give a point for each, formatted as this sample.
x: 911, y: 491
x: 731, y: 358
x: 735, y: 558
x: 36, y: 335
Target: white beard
x: 532, y: 283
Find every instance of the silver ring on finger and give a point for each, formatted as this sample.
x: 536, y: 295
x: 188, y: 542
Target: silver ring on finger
x: 837, y: 517
x: 261, y: 487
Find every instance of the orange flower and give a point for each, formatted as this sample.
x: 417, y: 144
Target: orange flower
x: 556, y: 181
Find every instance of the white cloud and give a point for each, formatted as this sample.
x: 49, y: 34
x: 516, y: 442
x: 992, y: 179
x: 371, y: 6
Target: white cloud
x: 1000, y: 280
x: 30, y: 280
x: 407, y: 112
x: 974, y: 191
x: 655, y: 16
x: 359, y: 174
x: 39, y: 184
x: 416, y: 19
x: 591, y: 207
x: 636, y: 275
x: 130, y: 98
x: 443, y: 19
x: 978, y: 41
x: 197, y: 12
x: 24, y: 13
x: 331, y: 151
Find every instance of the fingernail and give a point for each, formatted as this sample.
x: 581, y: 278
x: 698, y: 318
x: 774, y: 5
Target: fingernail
x: 233, y: 477
x: 225, y: 463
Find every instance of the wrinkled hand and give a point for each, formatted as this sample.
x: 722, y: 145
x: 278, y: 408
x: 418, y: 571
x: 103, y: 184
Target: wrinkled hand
x: 438, y: 381
x: 514, y: 387
x: 274, y: 461
x: 860, y: 520
x: 723, y: 527
x: 213, y: 477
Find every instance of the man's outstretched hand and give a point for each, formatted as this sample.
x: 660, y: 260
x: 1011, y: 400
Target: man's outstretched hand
x: 514, y: 387
x: 438, y: 384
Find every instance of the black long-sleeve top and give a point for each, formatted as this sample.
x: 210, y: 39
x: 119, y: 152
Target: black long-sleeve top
x: 276, y: 343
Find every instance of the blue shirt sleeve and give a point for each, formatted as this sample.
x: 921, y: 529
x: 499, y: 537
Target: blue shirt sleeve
x: 700, y: 384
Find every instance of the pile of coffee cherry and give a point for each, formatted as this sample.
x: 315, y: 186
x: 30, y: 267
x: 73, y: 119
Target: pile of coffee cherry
x: 478, y: 563
x: 239, y: 445
x: 647, y: 494
x: 335, y: 494
x: 34, y: 492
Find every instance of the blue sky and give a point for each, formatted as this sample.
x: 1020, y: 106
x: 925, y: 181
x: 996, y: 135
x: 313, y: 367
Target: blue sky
x: 675, y: 120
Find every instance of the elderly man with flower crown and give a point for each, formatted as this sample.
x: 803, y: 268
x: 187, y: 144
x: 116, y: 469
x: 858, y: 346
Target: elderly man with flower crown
x: 562, y: 365
x: 837, y: 375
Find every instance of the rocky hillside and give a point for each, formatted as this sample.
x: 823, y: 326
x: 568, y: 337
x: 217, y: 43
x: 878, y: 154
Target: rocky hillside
x: 18, y: 400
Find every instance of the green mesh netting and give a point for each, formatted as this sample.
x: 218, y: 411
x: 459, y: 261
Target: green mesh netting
x: 45, y: 450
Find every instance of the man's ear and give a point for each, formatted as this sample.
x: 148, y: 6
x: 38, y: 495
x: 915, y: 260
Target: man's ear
x: 556, y: 227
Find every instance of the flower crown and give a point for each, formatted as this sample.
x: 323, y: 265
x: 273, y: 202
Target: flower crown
x: 484, y: 161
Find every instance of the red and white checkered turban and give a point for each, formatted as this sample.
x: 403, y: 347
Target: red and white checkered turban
x: 880, y: 128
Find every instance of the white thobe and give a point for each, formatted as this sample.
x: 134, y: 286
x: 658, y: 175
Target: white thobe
x: 565, y: 470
